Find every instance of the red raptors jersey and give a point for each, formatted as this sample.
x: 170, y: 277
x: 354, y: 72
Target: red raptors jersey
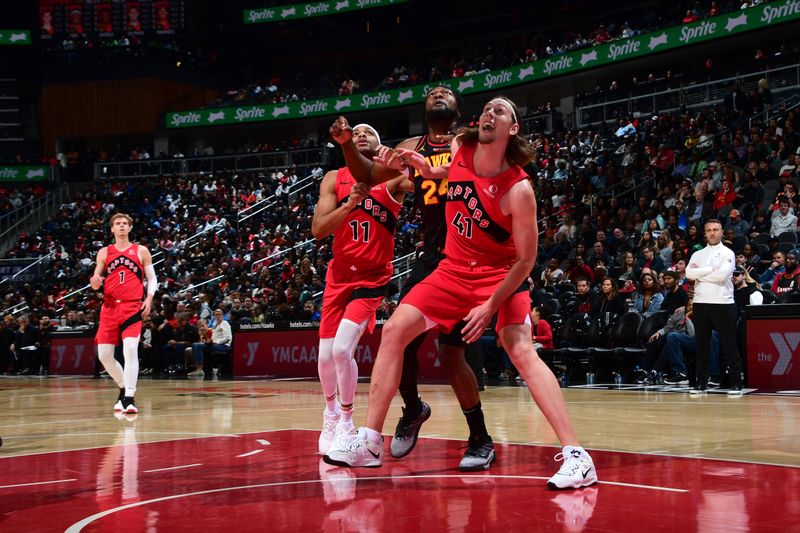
x: 124, y: 274
x: 478, y: 232
x: 366, y: 237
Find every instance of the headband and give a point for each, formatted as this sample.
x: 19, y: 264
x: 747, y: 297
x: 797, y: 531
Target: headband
x: 365, y: 125
x: 509, y: 105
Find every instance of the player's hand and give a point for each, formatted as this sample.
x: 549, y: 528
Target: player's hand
x: 410, y: 158
x: 388, y: 157
x: 340, y: 131
x: 146, y: 306
x: 477, y: 320
x: 357, y: 194
x: 96, y: 281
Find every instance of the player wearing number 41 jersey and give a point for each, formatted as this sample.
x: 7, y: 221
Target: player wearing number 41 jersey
x: 121, y: 270
x: 492, y: 239
x: 362, y: 221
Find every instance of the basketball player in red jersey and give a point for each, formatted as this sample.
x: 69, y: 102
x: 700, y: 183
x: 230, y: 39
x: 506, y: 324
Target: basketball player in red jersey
x: 121, y: 270
x: 492, y: 238
x: 362, y: 221
x: 441, y: 114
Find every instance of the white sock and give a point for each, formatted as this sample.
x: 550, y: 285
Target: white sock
x: 130, y: 350
x: 568, y: 449
x: 370, y: 435
x: 346, y: 416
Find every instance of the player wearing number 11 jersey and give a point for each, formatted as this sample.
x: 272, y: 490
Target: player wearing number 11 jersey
x: 362, y: 221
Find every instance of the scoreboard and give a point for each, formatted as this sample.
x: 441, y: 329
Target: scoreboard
x: 109, y: 18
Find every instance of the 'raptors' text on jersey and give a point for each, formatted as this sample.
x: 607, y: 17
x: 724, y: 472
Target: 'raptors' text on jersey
x: 430, y: 195
x: 478, y: 231
x: 366, y: 237
x: 124, y: 274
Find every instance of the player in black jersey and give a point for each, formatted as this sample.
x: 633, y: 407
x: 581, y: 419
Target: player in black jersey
x: 442, y: 115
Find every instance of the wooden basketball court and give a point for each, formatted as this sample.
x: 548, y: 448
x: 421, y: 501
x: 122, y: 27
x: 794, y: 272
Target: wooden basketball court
x: 241, y: 455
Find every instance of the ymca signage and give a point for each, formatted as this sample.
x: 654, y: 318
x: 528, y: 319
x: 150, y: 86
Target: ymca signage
x: 773, y: 354
x: 293, y: 353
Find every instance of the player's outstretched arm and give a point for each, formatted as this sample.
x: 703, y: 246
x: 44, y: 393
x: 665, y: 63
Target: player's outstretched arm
x: 96, y: 281
x: 152, y: 282
x: 521, y: 205
x: 328, y: 215
x: 362, y: 168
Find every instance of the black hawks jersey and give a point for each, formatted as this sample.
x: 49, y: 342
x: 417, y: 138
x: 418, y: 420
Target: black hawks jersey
x: 430, y: 196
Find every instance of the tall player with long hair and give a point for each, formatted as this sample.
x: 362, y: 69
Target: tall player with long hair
x: 362, y: 221
x: 121, y: 270
x: 491, y: 246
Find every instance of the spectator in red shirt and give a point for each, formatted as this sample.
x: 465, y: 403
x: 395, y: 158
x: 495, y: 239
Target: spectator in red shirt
x: 725, y: 196
x: 689, y: 18
x: 581, y: 269
x: 541, y: 330
x: 663, y: 158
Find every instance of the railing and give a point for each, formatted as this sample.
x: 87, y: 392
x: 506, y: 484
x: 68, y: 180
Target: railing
x: 403, y: 264
x: 10, y: 222
x: 271, y: 200
x: 777, y: 109
x: 690, y: 96
x: 149, y: 168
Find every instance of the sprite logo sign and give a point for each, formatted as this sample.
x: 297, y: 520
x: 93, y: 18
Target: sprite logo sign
x: 38, y: 173
x: 314, y: 9
x: 15, y: 37
x: 754, y: 18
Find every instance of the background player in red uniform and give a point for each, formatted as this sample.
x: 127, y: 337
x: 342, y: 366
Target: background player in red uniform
x: 441, y: 115
x: 121, y: 270
x: 362, y: 221
x: 492, y: 239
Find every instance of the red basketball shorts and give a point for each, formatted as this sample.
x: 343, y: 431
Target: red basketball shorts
x: 451, y: 291
x: 119, y: 320
x: 351, y: 299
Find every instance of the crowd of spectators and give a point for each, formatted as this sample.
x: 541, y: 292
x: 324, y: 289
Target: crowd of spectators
x: 302, y: 84
x: 621, y: 209
x: 208, y: 255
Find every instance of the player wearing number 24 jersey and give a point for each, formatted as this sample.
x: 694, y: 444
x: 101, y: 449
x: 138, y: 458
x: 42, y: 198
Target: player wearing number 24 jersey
x: 362, y: 220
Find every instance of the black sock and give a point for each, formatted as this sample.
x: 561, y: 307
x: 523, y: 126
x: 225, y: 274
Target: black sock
x: 408, y: 379
x: 477, y: 426
x: 121, y: 394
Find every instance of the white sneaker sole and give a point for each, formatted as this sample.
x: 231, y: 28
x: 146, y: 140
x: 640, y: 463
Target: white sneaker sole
x: 591, y: 480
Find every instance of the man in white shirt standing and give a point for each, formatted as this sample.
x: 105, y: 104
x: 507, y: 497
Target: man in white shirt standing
x: 714, y: 306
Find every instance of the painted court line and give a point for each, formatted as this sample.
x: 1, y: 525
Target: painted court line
x: 78, y: 526
x: 248, y: 454
x: 263, y: 442
x: 173, y: 468
x: 37, y: 483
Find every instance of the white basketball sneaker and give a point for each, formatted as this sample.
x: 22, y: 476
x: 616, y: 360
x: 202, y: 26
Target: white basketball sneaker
x: 328, y: 431
x: 576, y: 471
x: 344, y: 435
x: 359, y: 452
